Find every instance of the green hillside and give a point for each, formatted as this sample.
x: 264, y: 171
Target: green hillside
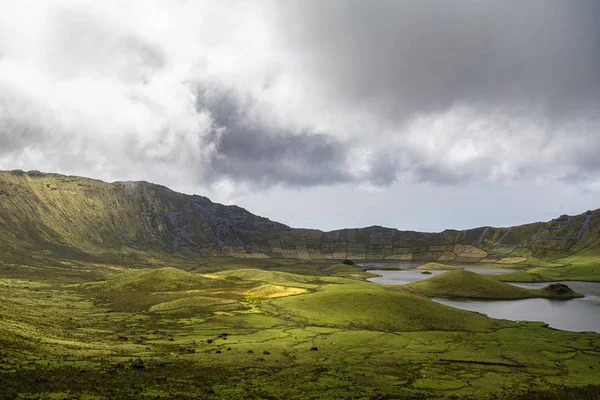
x: 50, y: 215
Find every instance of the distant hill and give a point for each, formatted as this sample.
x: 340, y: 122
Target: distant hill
x: 51, y: 214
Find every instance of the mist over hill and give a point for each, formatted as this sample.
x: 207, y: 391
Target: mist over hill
x: 52, y: 214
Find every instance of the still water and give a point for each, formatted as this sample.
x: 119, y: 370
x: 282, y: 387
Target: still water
x: 414, y: 275
x: 575, y: 315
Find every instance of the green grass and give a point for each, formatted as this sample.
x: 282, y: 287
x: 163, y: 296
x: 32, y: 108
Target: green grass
x: 436, y: 267
x: 165, y: 279
x: 372, y: 340
x: 361, y: 308
x: 576, y: 268
x: 196, y: 304
x: 282, y: 278
x: 269, y: 291
x: 467, y: 284
x: 521, y: 276
x: 343, y: 268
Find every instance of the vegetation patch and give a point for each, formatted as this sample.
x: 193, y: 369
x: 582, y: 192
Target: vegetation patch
x: 377, y: 310
x: 350, y: 340
x: 344, y: 267
x: 277, y: 277
x: 432, y: 266
x: 467, y: 284
x: 268, y: 291
x: 196, y: 304
x: 166, y: 279
x: 521, y: 276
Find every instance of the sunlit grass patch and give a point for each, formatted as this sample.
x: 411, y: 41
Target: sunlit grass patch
x: 268, y: 291
x: 432, y: 266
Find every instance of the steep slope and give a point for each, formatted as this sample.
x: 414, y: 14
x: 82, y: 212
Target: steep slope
x: 65, y: 216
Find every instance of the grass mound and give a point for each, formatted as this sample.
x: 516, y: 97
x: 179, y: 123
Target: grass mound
x: 159, y: 280
x: 467, y: 284
x: 344, y: 268
x: 432, y: 266
x: 196, y: 304
x: 276, y: 277
x: 269, y: 291
x: 377, y: 310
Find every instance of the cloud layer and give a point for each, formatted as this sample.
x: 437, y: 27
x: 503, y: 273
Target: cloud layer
x: 303, y: 93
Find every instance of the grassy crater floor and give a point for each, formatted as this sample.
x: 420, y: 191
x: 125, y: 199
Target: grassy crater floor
x: 76, y: 331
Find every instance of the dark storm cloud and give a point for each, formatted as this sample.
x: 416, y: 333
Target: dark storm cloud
x: 406, y: 57
x: 301, y: 159
x: 247, y: 151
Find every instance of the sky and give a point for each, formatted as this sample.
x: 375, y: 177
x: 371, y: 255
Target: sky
x: 413, y: 114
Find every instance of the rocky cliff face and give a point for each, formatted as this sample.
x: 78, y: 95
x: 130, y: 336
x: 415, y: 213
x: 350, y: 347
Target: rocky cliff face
x: 49, y: 213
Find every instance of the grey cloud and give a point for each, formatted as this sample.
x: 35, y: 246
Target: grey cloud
x: 20, y: 124
x: 299, y: 159
x: 406, y: 57
x: 443, y: 176
x: 249, y: 151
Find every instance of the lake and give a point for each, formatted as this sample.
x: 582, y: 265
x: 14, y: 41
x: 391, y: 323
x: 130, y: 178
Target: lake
x: 414, y: 275
x: 577, y: 315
